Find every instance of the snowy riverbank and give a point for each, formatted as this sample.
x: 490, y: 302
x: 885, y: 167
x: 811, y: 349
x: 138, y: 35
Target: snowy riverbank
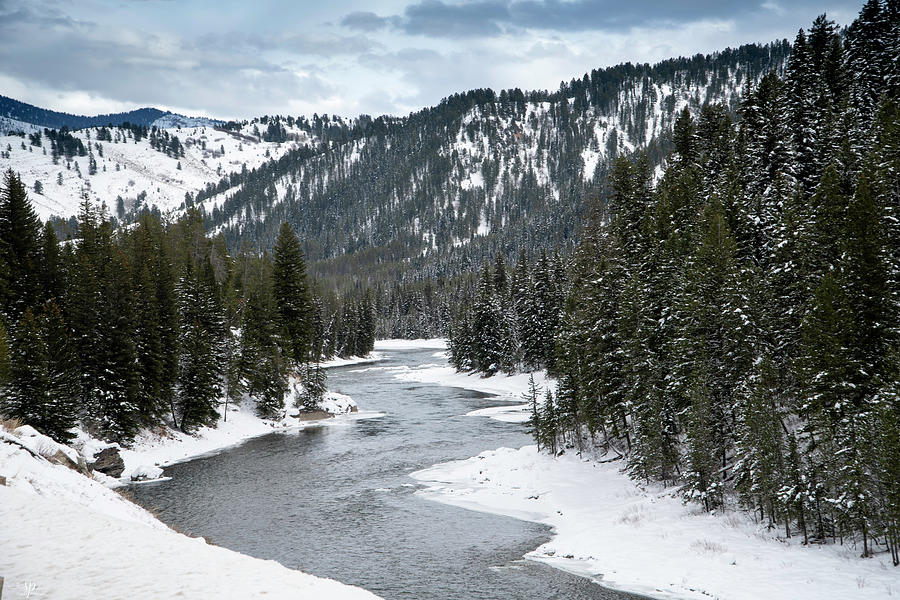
x: 636, y: 538
x: 67, y: 536
x: 154, y: 449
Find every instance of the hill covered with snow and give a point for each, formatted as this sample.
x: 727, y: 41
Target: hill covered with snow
x: 111, y: 163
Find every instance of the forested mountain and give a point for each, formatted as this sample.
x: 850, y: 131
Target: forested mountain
x: 481, y: 172
x: 404, y: 205
x: 145, y: 117
x: 732, y: 326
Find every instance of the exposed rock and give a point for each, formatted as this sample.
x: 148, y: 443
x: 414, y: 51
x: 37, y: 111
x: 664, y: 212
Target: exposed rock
x: 109, y: 462
x: 354, y: 409
x: 2, y: 480
x: 313, y: 415
x: 61, y: 458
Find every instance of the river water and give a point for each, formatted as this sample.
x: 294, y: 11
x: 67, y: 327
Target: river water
x: 337, y: 501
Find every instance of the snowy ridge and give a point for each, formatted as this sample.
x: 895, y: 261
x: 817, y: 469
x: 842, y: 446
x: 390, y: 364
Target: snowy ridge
x: 142, y: 176
x: 174, y: 121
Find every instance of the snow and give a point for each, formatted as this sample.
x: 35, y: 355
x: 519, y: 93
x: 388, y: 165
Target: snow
x: 398, y: 344
x: 505, y: 387
x: 371, y: 357
x: 517, y: 413
x: 634, y: 537
x: 164, y: 446
x: 140, y: 167
x: 66, y: 536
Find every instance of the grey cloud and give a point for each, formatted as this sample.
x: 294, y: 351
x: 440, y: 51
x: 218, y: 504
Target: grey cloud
x: 365, y: 21
x: 147, y: 69
x: 444, y: 19
x: 308, y: 43
x: 437, y: 19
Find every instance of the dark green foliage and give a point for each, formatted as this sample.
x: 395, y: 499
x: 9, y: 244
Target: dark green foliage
x: 108, y: 338
x: 733, y: 326
x: 42, y: 387
x: 20, y: 234
x: 292, y: 297
x: 201, y: 344
x: 314, y: 380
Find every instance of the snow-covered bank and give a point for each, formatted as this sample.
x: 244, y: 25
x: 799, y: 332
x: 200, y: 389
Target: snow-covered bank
x: 398, y: 344
x: 505, y: 387
x: 371, y: 357
x: 161, y: 447
x: 645, y: 539
x: 64, y: 535
x: 637, y: 538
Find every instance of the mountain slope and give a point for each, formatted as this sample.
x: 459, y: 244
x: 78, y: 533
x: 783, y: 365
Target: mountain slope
x: 144, y: 167
x: 42, y: 117
x: 423, y: 195
x: 479, y: 173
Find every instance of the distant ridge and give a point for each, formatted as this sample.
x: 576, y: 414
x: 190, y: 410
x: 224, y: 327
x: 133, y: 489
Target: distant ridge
x: 20, y: 111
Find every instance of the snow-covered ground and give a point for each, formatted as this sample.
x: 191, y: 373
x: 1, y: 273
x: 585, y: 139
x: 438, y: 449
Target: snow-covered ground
x: 154, y: 449
x: 353, y: 360
x: 66, y: 536
x: 134, y: 169
x: 638, y: 538
x: 161, y: 447
x: 439, y: 343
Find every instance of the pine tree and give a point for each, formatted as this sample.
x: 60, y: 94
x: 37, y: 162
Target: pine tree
x: 532, y: 398
x: 760, y: 468
x: 314, y: 387
x: 19, y: 249
x: 264, y: 367
x: 63, y: 380
x: 52, y: 273
x: 292, y: 297
x: 200, y: 340
x: 28, y: 390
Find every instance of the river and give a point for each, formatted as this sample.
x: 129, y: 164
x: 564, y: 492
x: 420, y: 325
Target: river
x: 337, y: 501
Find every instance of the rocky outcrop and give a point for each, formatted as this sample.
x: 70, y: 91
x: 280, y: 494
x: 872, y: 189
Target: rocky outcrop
x: 109, y: 462
x: 314, y: 415
x: 61, y: 458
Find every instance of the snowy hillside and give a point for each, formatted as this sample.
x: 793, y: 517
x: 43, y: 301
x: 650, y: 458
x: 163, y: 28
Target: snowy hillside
x: 133, y: 171
x: 482, y: 171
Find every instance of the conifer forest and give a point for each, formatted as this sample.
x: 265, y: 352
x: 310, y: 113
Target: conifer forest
x: 732, y: 325
x: 664, y: 295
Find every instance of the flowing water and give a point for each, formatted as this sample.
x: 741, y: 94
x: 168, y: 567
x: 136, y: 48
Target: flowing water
x: 337, y: 501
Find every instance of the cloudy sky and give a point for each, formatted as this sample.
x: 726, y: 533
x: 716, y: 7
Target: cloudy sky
x: 243, y: 58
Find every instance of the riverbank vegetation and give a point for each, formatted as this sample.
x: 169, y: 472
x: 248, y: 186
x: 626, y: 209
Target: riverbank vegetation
x: 731, y: 325
x: 156, y: 324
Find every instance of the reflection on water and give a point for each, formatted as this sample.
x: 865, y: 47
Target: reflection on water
x: 336, y: 501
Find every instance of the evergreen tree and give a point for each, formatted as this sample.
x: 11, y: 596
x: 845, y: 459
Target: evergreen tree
x: 19, y: 249
x: 292, y: 297
x: 63, y: 380
x: 200, y: 339
x: 27, y: 397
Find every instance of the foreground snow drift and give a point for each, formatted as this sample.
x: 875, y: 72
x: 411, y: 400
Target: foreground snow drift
x: 64, y: 535
x: 645, y: 540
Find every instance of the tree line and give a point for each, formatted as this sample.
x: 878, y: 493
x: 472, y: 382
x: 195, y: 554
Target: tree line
x: 155, y: 324
x: 732, y: 326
